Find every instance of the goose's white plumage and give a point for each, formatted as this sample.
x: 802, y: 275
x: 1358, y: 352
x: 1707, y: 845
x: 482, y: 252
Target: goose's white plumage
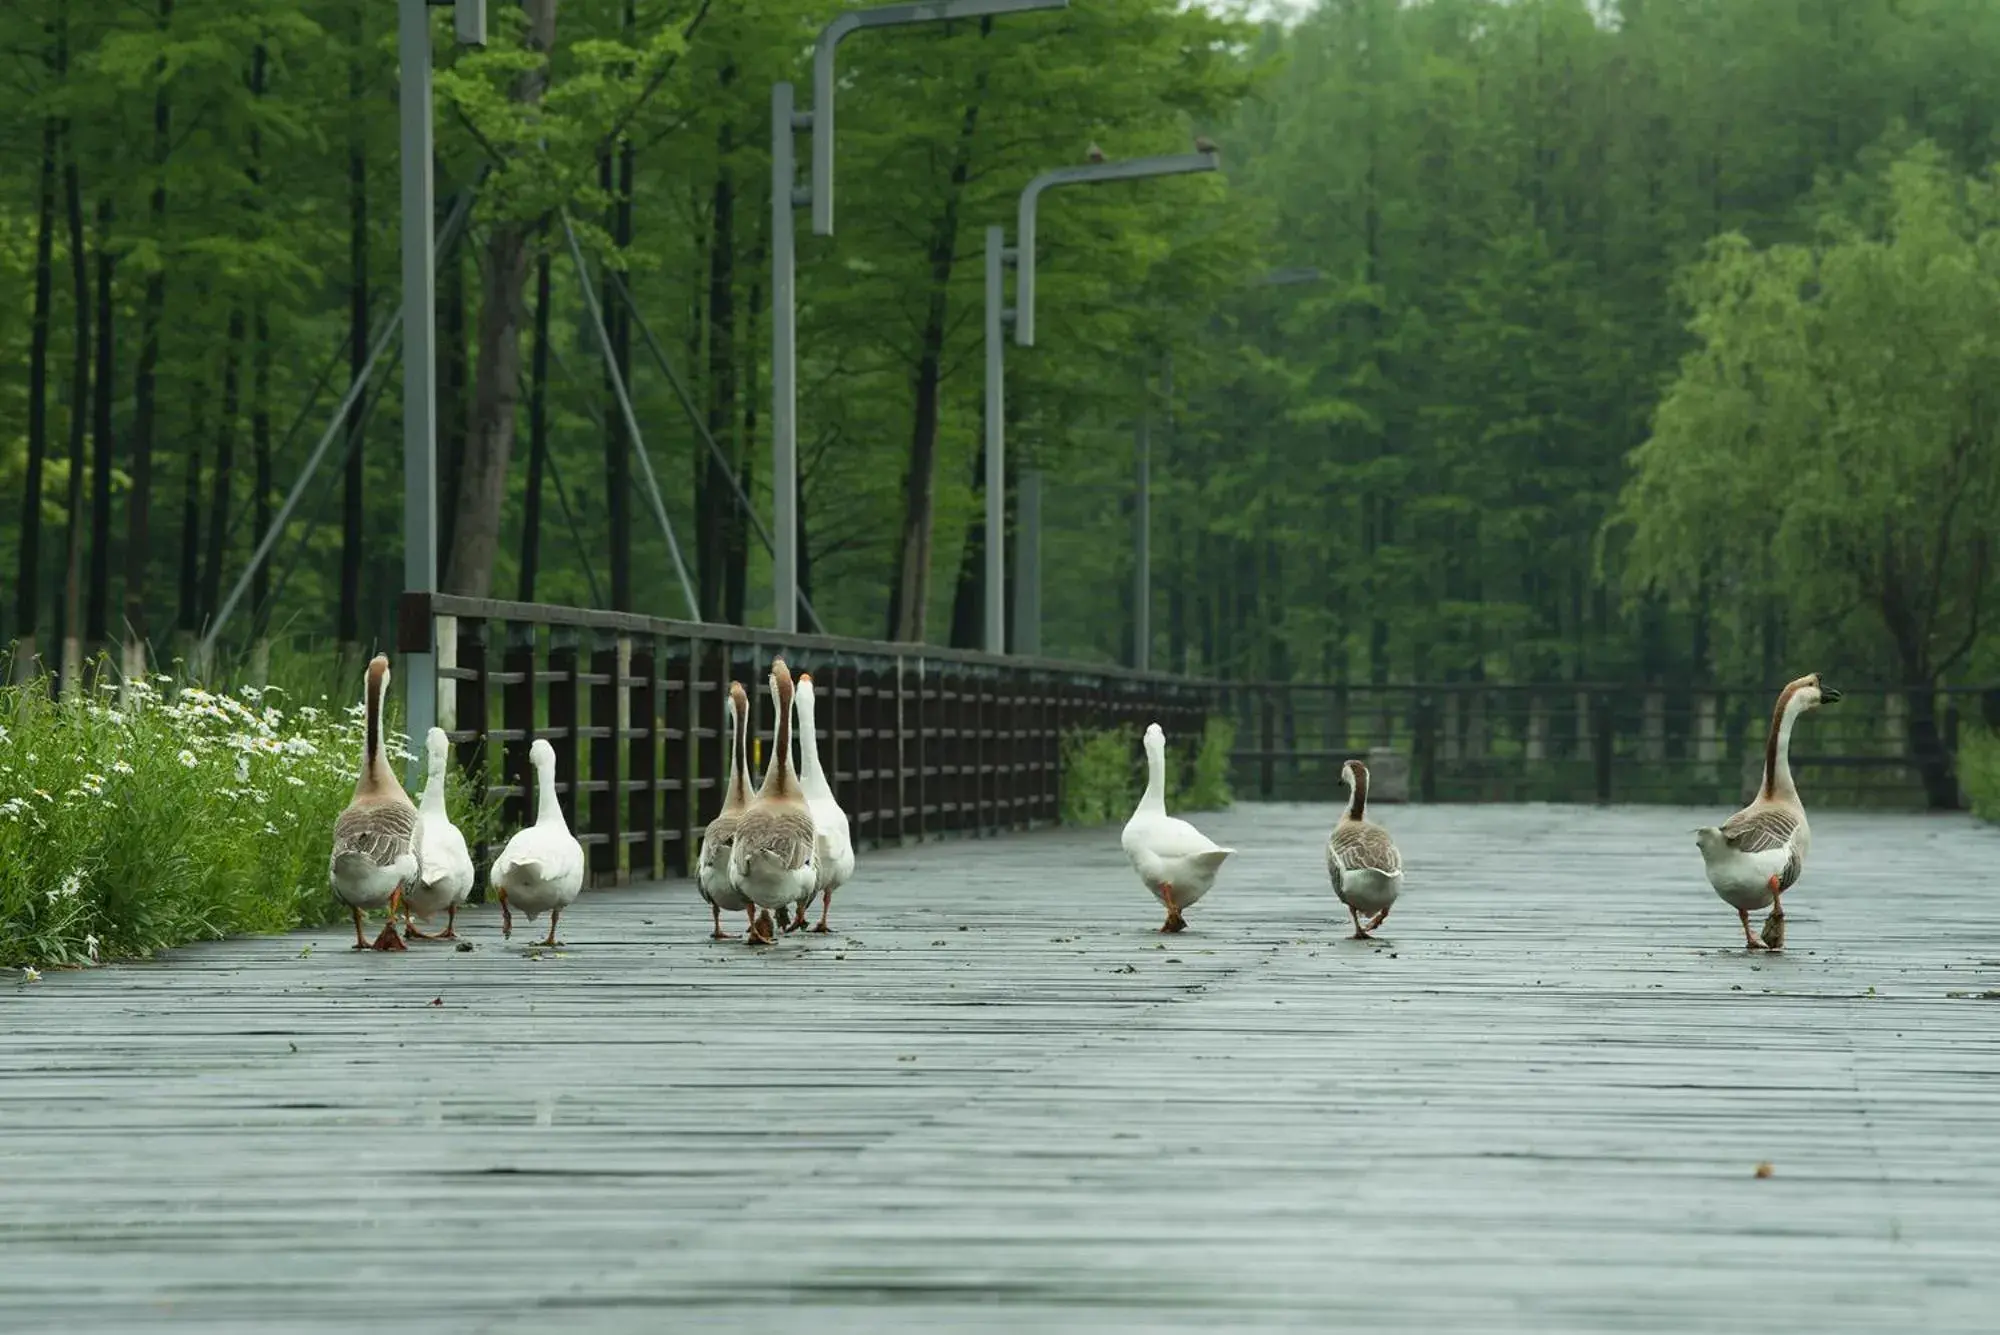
x: 541, y: 869
x: 444, y: 876
x: 833, y: 852
x: 376, y: 840
x: 1760, y: 852
x: 1174, y: 860
x: 771, y: 859
x: 1361, y: 859
x: 711, y: 869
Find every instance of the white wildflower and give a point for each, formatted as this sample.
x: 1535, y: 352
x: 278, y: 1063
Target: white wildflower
x: 14, y: 806
x: 270, y: 828
x: 187, y: 758
x: 120, y: 767
x: 44, y: 794
x: 295, y: 781
x: 90, y: 945
x: 29, y: 975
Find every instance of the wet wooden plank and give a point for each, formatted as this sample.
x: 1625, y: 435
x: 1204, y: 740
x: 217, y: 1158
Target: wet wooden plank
x: 1000, y: 1101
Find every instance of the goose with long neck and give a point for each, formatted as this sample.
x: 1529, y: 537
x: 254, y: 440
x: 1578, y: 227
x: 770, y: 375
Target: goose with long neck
x: 444, y: 877
x: 833, y: 852
x: 1760, y: 852
x: 712, y: 865
x: 1361, y: 859
x: 1174, y: 860
x: 771, y: 859
x: 541, y: 869
x: 376, y: 839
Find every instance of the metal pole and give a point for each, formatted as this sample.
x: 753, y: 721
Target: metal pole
x: 413, y: 48
x: 996, y: 446
x: 784, y: 369
x: 1028, y: 567
x: 1142, y: 547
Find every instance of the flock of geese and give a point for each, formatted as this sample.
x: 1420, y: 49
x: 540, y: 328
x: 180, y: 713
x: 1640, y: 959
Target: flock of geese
x: 768, y: 853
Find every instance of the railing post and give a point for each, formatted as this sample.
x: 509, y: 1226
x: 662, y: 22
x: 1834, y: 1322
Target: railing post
x: 1268, y: 743
x: 1424, y: 747
x: 608, y: 716
x: 474, y: 709
x: 520, y: 685
x: 563, y: 725
x: 1601, y: 741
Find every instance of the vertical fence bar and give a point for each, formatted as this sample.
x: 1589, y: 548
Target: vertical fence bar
x: 643, y: 694
x: 1602, y: 742
x: 603, y: 746
x: 562, y: 693
x: 518, y: 698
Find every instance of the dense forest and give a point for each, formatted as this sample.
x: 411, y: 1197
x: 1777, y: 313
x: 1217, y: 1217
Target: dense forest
x: 1536, y: 340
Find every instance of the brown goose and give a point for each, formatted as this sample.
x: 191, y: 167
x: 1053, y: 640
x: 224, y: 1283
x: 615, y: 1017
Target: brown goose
x: 712, y: 865
x: 1760, y: 852
x: 376, y: 839
x: 1361, y: 858
x: 771, y: 861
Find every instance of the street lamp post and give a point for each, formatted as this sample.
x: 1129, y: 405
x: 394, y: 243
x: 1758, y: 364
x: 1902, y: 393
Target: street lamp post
x: 1027, y: 567
x: 420, y: 558
x: 787, y: 195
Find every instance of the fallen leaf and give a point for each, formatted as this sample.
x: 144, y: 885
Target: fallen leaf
x: 437, y: 1001
x: 1764, y: 1170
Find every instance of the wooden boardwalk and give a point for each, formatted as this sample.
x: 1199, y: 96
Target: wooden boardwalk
x: 1000, y: 1102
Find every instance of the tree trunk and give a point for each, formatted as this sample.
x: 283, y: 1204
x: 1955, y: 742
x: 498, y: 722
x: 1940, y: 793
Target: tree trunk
x: 452, y: 418
x: 538, y: 431
x: 910, y: 595
x: 1932, y: 753
x: 79, y: 407
x: 482, y: 483
x: 188, y: 623
x: 347, y: 626
x: 28, y: 574
x: 736, y: 582
x: 718, y: 516
x: 139, y: 506
x: 97, y: 618
x: 260, y: 450
x: 618, y: 446
x: 967, y: 627
x: 224, y: 475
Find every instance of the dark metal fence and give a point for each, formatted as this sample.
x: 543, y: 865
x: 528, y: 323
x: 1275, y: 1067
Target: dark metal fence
x: 1597, y: 743
x: 917, y: 741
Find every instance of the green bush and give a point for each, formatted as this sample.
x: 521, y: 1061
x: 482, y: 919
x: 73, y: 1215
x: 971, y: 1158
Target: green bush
x: 1104, y: 772
x: 173, y: 814
x: 1979, y: 771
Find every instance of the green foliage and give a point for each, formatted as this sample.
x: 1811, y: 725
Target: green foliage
x: 1208, y: 788
x: 1830, y: 443
x: 1098, y: 784
x: 1979, y: 771
x: 1104, y: 772
x: 171, y: 814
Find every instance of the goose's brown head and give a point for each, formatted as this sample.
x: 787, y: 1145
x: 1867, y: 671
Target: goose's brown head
x: 1810, y: 692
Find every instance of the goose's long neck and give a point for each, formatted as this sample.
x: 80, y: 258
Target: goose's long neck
x: 778, y: 781
x: 433, y: 801
x: 739, y: 761
x: 809, y: 773
x: 375, y: 775
x: 1154, y: 800
x: 1778, y: 752
x: 548, y: 811
x: 1357, y: 799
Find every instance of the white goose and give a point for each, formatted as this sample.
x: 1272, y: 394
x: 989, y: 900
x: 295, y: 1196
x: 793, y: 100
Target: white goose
x: 444, y: 878
x: 1361, y: 858
x: 771, y: 859
x: 541, y: 869
x: 1175, y: 861
x: 376, y: 840
x: 833, y: 852
x: 1760, y: 852
x: 711, y: 868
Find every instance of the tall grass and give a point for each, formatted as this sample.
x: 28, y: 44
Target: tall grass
x: 1979, y: 771
x: 135, y: 820
x: 1103, y: 772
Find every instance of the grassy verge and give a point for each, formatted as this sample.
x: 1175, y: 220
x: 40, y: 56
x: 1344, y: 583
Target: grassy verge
x: 1979, y: 771
x: 175, y: 814
x: 1103, y: 773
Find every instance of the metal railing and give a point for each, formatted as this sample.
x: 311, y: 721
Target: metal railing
x: 1564, y: 742
x: 917, y: 741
